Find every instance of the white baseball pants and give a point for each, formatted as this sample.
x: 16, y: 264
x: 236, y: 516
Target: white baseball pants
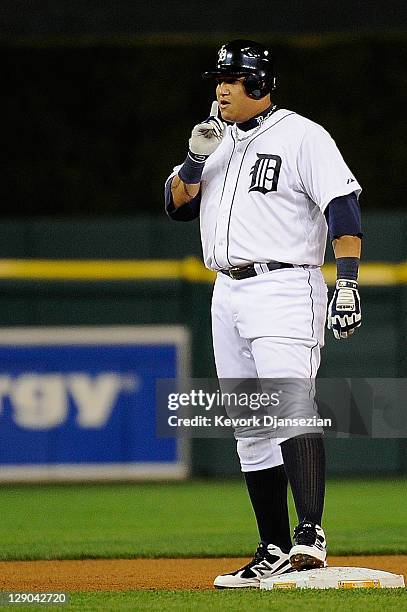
x: 268, y: 326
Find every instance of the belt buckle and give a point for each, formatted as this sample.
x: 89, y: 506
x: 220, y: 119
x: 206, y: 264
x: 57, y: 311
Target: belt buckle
x: 238, y: 269
x: 233, y: 270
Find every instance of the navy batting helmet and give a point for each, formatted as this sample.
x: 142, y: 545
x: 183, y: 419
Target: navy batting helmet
x: 249, y: 59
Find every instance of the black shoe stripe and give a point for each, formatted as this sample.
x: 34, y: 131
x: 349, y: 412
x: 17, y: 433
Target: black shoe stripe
x: 264, y: 566
x: 276, y: 569
x: 286, y: 562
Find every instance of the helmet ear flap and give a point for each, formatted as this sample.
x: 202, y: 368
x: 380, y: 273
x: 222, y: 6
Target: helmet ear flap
x: 256, y: 86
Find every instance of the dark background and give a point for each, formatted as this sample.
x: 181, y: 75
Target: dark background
x: 99, y: 98
x: 104, y: 17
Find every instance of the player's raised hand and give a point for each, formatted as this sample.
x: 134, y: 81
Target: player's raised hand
x: 207, y: 136
x: 344, y: 314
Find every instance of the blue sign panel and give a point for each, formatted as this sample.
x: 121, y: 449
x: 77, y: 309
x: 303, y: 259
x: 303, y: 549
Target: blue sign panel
x: 86, y: 397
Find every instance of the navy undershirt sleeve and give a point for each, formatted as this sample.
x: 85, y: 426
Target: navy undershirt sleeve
x: 343, y: 217
x: 187, y: 212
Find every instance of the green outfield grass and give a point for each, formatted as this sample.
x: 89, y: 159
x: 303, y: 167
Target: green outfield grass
x: 184, y: 519
x: 241, y: 601
x: 238, y: 601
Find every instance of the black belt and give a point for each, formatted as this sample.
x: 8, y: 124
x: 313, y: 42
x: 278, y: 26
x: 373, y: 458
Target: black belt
x: 241, y: 272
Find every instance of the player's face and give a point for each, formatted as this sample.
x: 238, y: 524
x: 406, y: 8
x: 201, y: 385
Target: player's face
x: 234, y: 103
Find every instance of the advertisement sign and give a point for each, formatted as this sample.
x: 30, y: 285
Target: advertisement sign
x: 78, y: 403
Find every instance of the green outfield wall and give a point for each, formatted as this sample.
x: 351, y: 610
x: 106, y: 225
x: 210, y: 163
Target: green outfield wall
x: 156, y: 237
x: 83, y: 272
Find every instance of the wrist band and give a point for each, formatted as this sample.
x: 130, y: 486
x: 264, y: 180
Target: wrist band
x: 347, y: 268
x: 192, y: 168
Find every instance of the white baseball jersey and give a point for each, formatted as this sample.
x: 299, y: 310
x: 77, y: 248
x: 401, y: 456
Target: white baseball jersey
x: 264, y: 191
x: 263, y: 195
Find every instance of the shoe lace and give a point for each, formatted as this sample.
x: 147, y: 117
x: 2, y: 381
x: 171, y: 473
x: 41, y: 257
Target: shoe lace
x: 305, y: 533
x: 259, y: 556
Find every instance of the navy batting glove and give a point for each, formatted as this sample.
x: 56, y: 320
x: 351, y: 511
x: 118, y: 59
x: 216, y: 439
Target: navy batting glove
x: 344, y: 314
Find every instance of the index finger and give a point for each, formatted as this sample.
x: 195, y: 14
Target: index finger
x: 214, y: 109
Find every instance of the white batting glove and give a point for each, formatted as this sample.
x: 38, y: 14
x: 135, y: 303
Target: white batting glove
x: 207, y: 136
x: 344, y: 314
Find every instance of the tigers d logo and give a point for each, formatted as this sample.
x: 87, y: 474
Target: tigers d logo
x: 222, y: 54
x: 265, y: 173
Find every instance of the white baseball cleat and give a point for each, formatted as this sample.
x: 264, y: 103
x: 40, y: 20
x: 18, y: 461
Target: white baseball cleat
x: 268, y: 561
x: 309, y: 550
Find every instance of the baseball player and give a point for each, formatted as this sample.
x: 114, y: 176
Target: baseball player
x: 268, y: 185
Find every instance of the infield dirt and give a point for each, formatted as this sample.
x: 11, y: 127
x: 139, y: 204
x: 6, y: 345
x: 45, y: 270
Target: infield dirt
x: 130, y: 574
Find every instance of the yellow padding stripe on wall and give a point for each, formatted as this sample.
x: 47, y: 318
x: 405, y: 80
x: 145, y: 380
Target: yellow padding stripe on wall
x: 190, y: 269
